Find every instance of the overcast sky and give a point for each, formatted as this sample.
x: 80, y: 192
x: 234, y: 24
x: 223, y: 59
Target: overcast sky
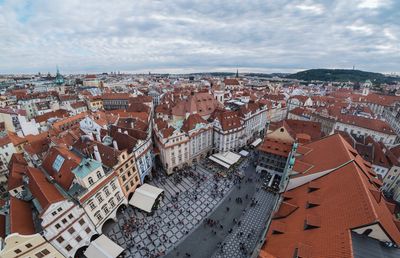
x: 186, y: 36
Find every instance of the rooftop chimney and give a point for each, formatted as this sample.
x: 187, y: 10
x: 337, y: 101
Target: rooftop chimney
x: 115, y: 144
x: 97, y: 153
x: 98, y: 138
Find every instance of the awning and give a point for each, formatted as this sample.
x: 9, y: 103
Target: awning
x: 145, y: 196
x: 256, y: 142
x: 244, y: 153
x: 225, y: 159
x: 219, y: 162
x: 103, y: 247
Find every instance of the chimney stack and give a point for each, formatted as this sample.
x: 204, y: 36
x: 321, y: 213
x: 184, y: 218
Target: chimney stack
x: 115, y: 144
x: 98, y: 137
x: 97, y: 153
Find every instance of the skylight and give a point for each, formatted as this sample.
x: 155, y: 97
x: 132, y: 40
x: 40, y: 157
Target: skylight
x: 58, y: 163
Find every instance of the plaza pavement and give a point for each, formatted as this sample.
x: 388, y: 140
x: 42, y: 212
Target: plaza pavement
x: 184, y: 227
x: 202, y: 243
x: 147, y: 239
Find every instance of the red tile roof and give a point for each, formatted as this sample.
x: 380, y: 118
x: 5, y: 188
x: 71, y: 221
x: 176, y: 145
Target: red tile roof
x: 16, y: 174
x: 372, y: 124
x: 276, y: 147
x: 191, y: 122
x: 202, y: 103
x: 21, y: 220
x: 347, y: 199
x: 54, y: 114
x: 229, y: 120
x: 44, y: 191
x: 64, y: 176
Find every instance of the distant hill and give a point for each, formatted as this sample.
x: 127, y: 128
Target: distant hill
x: 341, y: 75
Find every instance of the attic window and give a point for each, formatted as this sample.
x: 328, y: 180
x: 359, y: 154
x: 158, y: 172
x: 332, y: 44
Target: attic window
x: 312, y: 189
x: 276, y: 232
x: 310, y: 205
x: 312, y: 222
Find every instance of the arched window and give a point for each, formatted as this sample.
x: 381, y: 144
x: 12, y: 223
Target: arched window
x: 90, y: 179
x: 98, y: 174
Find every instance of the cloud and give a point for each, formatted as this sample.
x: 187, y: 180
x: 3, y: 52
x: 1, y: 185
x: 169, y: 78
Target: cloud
x: 198, y: 35
x: 373, y: 4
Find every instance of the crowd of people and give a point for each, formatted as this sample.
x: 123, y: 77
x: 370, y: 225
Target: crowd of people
x: 131, y: 225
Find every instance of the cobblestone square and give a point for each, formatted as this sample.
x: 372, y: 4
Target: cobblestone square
x: 173, y: 220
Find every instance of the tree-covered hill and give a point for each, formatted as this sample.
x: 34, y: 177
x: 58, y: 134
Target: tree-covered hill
x: 341, y: 75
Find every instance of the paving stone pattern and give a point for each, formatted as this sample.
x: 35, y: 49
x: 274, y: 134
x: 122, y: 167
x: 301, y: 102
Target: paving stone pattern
x: 253, y: 222
x: 174, y: 223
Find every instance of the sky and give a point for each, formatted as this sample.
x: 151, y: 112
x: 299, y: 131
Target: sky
x: 181, y: 36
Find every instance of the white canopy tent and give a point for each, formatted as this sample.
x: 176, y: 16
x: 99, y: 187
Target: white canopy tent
x: 103, y: 247
x: 219, y: 162
x: 244, y: 153
x: 226, y: 159
x: 145, y: 197
x: 256, y: 142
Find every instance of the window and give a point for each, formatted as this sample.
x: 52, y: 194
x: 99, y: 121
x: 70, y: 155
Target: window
x: 54, y: 213
x: 98, y: 174
x: 68, y: 248
x: 39, y: 255
x: 78, y: 239
x: 113, y: 185
x: 70, y: 216
x: 99, y: 197
x: 106, y: 191
x: 17, y: 251
x: 118, y: 196
x: 57, y: 226
x: 112, y: 203
x: 60, y: 239
x: 81, y: 222
x: 92, y: 205
x: 105, y: 208
x: 71, y: 230
x: 59, y: 209
x: 98, y: 216
x: 45, y: 252
x: 64, y: 221
x: 28, y: 245
x: 87, y: 230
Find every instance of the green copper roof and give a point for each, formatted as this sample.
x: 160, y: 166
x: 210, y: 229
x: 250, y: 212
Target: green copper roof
x: 86, y: 167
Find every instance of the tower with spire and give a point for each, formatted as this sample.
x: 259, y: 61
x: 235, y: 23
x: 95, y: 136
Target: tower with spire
x: 59, y: 78
x: 237, y: 73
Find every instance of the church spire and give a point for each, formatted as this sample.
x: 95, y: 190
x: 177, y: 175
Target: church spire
x: 237, y: 73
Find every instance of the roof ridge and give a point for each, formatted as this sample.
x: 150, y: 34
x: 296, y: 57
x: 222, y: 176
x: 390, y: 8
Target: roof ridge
x: 366, y: 191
